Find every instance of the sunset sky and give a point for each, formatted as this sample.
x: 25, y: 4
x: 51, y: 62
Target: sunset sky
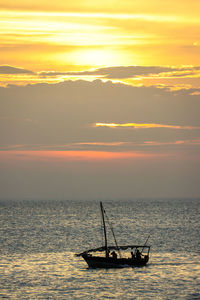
x: 99, y: 99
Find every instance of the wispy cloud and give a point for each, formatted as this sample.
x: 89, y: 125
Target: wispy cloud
x: 123, y: 146
x: 101, y: 143
x: 14, y: 70
x: 118, y: 72
x: 65, y: 146
x: 174, y: 143
x: 93, y: 15
x: 145, y: 126
x: 155, y: 73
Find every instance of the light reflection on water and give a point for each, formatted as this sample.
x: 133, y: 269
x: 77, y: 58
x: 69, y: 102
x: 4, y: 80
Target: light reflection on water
x: 38, y: 242
x: 62, y: 275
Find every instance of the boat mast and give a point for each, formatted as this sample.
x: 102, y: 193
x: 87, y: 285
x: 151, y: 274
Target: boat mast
x: 104, y: 227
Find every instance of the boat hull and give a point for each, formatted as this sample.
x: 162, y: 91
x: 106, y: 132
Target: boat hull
x: 109, y: 262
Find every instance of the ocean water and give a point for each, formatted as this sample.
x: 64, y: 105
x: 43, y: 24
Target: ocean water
x: 38, y: 240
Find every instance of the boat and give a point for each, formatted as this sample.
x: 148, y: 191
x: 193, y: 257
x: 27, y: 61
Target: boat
x: 106, y: 256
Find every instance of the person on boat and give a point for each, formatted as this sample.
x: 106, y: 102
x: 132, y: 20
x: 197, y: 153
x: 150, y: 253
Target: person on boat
x: 138, y: 255
x: 114, y: 255
x: 132, y: 255
x: 107, y: 253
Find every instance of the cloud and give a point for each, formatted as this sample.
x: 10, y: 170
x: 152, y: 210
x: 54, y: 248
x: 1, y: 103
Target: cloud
x: 52, y: 116
x: 149, y: 75
x: 175, y: 143
x: 119, y: 72
x: 114, y: 147
x: 123, y: 72
x: 62, y: 155
x: 144, y: 126
x: 13, y: 70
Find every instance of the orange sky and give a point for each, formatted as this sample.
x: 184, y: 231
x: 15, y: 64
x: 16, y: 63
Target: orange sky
x: 42, y: 36
x: 101, y: 81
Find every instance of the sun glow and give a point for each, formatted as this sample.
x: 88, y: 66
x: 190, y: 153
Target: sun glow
x: 97, y: 57
x: 88, y: 37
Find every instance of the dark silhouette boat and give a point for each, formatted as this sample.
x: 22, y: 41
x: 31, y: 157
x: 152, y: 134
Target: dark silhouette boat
x: 102, y: 257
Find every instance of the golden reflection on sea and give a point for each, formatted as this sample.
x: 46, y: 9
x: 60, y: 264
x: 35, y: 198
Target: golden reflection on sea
x: 64, y: 276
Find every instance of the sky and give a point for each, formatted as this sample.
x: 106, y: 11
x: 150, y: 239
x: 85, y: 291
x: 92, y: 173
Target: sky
x: 99, y: 99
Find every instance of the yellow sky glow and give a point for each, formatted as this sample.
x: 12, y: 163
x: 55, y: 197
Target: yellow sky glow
x: 39, y: 36
x: 144, y: 126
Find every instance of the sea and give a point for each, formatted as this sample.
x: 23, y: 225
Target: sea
x: 39, y: 240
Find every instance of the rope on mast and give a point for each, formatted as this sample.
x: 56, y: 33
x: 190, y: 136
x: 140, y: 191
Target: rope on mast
x: 118, y: 249
x: 145, y: 243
